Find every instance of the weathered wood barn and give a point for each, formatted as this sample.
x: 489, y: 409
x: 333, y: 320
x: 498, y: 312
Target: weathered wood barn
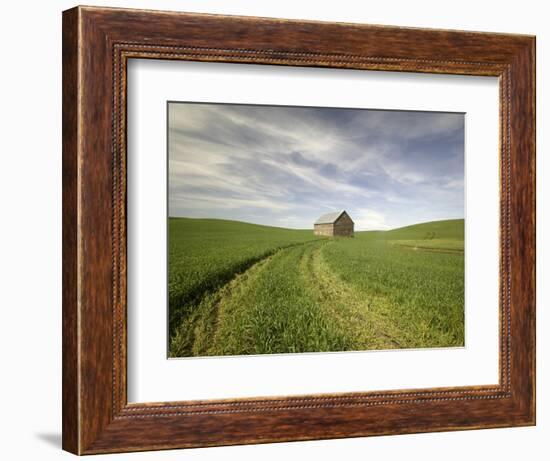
x: 336, y: 224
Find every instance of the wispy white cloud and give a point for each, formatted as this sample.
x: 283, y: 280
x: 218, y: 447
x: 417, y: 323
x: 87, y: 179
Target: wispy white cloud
x: 197, y: 201
x: 367, y: 219
x: 285, y: 165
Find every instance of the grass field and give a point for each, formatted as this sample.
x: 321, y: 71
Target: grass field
x: 237, y: 288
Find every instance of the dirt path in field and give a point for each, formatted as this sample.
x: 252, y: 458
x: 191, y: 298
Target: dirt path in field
x: 362, y: 318
x: 450, y: 251
x: 195, y: 333
x: 207, y: 329
x: 205, y: 332
x: 198, y: 335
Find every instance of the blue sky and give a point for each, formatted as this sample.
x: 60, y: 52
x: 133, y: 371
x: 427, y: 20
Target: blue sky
x: 285, y: 166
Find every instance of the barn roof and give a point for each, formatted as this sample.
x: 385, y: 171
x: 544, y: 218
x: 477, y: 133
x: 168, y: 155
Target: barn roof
x: 329, y: 218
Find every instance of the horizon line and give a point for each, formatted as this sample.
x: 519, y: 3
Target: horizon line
x: 310, y: 228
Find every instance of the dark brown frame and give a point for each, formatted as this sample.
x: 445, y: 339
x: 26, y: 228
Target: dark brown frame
x: 97, y: 43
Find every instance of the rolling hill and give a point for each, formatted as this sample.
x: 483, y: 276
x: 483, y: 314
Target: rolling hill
x: 237, y: 288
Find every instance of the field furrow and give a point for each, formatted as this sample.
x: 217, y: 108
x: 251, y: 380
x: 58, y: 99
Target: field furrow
x: 363, y: 319
x: 267, y: 311
x: 196, y: 334
x: 261, y: 290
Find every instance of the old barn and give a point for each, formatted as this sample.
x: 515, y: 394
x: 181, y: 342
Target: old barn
x: 336, y: 224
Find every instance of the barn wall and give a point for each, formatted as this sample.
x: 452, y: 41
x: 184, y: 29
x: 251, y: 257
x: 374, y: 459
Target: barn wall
x: 323, y: 229
x: 343, y: 227
x: 343, y: 230
x: 344, y: 219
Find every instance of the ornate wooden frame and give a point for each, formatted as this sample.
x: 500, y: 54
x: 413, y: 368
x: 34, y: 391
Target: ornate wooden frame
x: 97, y: 43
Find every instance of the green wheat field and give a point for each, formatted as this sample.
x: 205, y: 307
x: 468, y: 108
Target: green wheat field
x: 237, y: 289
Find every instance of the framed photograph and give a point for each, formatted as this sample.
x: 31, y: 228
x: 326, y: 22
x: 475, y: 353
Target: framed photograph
x: 281, y: 230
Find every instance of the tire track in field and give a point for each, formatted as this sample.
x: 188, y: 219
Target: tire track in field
x: 188, y: 337
x: 449, y: 251
x: 198, y: 334
x: 362, y: 319
x: 195, y: 336
x: 206, y: 332
x: 185, y: 302
x: 269, y: 310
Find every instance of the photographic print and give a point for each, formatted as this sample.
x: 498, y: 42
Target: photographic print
x: 313, y: 229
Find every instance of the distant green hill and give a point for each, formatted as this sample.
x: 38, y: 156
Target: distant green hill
x: 229, y: 225
x: 237, y: 288
x: 452, y: 229
x: 206, y: 253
